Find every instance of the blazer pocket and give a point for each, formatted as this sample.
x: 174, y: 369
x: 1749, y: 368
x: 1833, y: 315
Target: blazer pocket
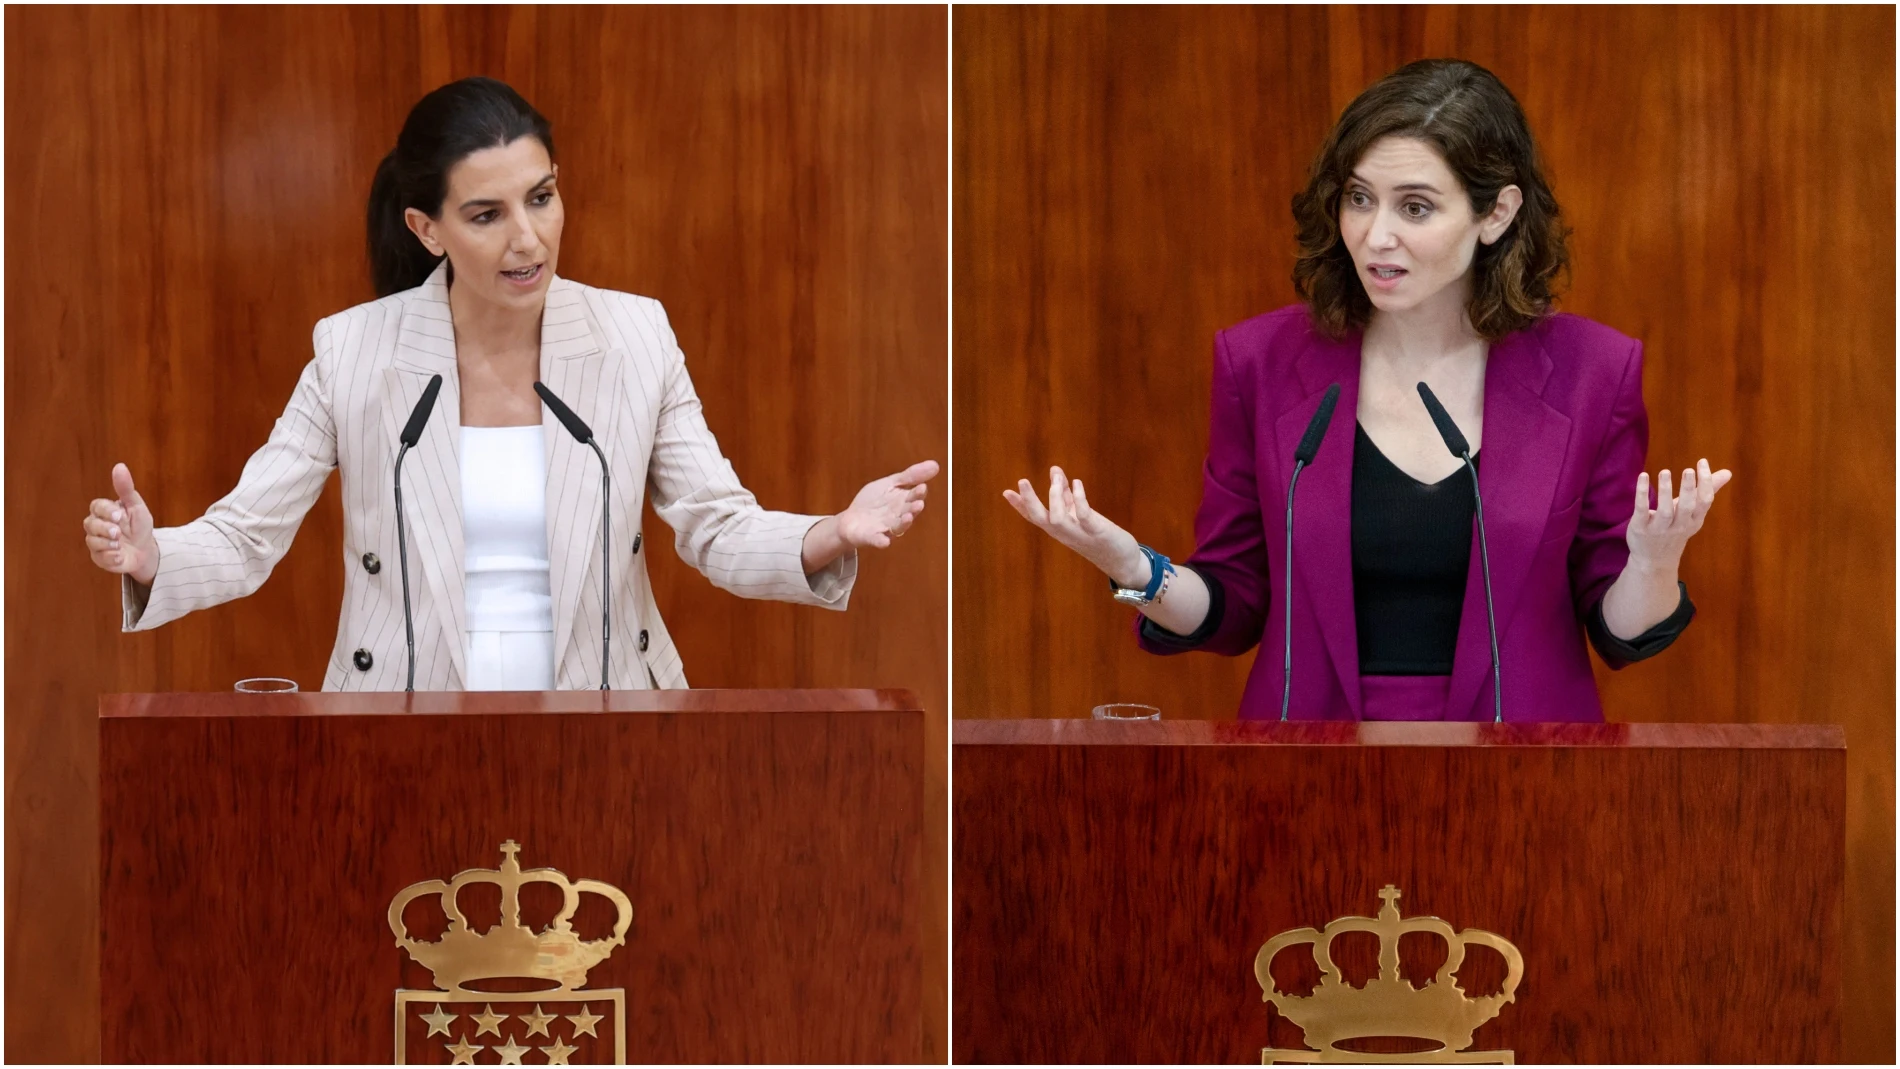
x: 1563, y: 522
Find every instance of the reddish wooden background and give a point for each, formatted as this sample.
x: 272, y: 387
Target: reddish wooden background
x: 1675, y: 890
x: 1122, y: 180
x: 769, y: 842
x: 185, y: 191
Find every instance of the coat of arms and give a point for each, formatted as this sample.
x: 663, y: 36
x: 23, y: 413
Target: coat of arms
x: 478, y: 1015
x: 1337, y: 1012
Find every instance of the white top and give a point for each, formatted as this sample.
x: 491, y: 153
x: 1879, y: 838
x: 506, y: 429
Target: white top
x: 505, y: 529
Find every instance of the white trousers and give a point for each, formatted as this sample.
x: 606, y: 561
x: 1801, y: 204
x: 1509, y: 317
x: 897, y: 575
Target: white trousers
x: 510, y: 660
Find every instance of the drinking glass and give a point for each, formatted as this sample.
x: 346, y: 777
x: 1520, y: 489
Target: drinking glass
x: 1126, y: 711
x: 266, y: 685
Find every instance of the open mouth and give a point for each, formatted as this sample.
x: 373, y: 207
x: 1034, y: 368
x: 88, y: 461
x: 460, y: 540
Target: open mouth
x: 524, y: 275
x: 1387, y: 273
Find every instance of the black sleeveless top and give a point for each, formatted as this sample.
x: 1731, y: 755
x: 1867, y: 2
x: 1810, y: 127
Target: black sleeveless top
x: 1411, y: 554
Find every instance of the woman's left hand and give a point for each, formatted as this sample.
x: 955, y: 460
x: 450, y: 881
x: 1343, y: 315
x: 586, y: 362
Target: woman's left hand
x: 886, y: 508
x: 883, y: 510
x: 1657, y: 536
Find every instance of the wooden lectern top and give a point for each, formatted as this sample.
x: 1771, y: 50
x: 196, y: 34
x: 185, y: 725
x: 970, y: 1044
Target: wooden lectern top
x: 1090, y: 732
x: 384, y: 703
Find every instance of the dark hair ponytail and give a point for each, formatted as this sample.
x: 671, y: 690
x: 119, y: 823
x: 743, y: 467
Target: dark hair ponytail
x: 443, y: 128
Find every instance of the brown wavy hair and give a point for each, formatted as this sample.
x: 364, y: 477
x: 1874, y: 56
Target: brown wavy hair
x: 1470, y: 118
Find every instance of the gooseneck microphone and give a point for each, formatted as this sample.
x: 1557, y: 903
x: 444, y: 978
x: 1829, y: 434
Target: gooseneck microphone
x: 411, y: 434
x: 1302, y: 456
x: 1461, y: 449
x: 585, y: 436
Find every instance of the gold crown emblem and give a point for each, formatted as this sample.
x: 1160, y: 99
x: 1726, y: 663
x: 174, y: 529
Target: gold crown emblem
x: 510, y: 948
x: 1387, y: 1005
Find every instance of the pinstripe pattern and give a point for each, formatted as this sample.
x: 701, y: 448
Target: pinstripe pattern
x: 613, y: 358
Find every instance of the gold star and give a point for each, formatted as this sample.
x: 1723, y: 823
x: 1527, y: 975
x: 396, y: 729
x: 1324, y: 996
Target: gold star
x: 511, y: 1054
x: 584, y: 1022
x: 464, y: 1053
x: 537, y: 1022
x: 557, y: 1054
x: 488, y: 1021
x: 438, y: 1021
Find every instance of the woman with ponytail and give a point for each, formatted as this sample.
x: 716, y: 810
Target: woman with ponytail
x: 502, y: 504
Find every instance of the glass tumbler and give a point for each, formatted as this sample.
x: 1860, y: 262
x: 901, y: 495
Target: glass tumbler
x: 266, y: 685
x: 1126, y: 711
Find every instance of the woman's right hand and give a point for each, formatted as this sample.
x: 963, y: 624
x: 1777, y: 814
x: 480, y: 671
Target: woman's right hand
x: 119, y: 533
x: 1070, y: 521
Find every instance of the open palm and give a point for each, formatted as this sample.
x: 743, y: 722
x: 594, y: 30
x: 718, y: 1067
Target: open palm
x: 886, y: 507
x: 1658, y: 536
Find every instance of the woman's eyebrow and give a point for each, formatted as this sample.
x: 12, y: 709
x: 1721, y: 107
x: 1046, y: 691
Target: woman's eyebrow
x: 489, y: 203
x: 1402, y: 188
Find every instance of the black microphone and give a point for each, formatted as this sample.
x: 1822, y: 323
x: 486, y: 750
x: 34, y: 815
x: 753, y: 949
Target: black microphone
x: 1455, y: 441
x: 411, y: 434
x: 566, y: 415
x: 1454, y: 438
x: 1302, y: 456
x: 583, y: 435
x: 1316, y: 430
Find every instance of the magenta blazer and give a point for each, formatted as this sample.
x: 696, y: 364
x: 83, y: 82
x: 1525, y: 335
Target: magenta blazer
x: 1565, y: 434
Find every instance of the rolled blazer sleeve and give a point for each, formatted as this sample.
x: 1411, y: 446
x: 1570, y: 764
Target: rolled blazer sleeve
x: 719, y: 527
x: 1601, y: 547
x: 1229, y: 534
x: 229, y: 551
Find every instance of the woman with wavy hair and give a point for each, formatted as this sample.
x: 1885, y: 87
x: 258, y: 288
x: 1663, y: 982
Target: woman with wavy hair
x: 503, y: 504
x: 1429, y: 250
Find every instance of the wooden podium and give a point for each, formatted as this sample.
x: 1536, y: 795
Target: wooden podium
x: 769, y: 843
x: 1674, y: 889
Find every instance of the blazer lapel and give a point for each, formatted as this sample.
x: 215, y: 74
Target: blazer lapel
x: 586, y: 378
x: 432, y: 472
x: 1520, y: 459
x: 1322, y: 530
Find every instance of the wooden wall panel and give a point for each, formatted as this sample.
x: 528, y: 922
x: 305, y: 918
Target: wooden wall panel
x: 1122, y: 181
x: 774, y: 176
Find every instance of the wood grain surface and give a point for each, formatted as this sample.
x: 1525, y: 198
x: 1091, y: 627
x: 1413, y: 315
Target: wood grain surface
x: 773, y: 858
x: 518, y: 703
x: 775, y: 176
x: 1076, y: 732
x: 1123, y: 178
x: 1674, y: 901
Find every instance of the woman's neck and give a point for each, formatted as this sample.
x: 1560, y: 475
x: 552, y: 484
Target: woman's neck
x: 484, y: 328
x: 1426, y: 335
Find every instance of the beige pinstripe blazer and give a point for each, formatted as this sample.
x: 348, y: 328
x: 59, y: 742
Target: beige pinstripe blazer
x: 613, y: 358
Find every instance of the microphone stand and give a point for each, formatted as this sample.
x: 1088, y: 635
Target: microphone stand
x: 411, y: 434
x: 606, y: 584
x: 1286, y: 670
x: 1460, y: 448
x: 582, y: 434
x: 1303, y: 454
x: 402, y: 554
x: 1490, y: 613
